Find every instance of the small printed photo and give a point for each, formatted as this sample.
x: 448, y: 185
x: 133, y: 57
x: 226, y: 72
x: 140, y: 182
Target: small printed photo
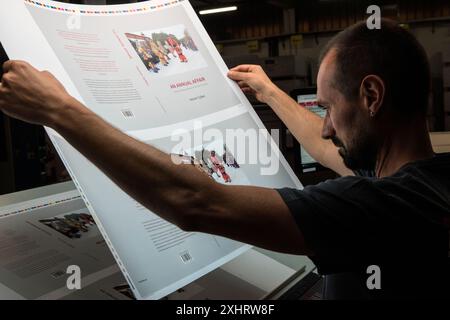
x: 214, y: 160
x: 72, y: 225
x: 167, y: 51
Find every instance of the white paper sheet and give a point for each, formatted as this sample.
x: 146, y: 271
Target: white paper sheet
x: 40, y: 238
x: 94, y: 51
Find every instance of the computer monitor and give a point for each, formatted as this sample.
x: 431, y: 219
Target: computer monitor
x: 307, y: 98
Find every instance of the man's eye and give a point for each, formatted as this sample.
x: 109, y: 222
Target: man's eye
x: 322, y: 107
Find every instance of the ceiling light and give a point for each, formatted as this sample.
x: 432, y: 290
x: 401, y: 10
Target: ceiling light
x: 218, y: 10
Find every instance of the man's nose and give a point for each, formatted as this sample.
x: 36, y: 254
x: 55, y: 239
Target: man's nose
x: 328, y: 131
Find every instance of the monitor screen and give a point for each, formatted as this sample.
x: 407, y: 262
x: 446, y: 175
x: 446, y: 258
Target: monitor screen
x: 309, y: 101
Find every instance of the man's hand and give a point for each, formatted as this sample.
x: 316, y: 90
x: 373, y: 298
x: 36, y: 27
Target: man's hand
x: 253, y: 80
x: 31, y: 95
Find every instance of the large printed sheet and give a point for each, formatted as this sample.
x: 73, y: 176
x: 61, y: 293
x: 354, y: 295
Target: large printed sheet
x: 41, y: 237
x: 151, y: 70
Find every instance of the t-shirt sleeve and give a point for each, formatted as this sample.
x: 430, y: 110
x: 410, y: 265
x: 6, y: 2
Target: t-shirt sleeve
x: 346, y: 222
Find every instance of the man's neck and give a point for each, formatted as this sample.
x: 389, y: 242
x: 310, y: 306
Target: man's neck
x: 406, y: 143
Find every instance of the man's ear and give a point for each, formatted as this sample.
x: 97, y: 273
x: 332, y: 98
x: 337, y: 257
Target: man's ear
x: 372, y: 92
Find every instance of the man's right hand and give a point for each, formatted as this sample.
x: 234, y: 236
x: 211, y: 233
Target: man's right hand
x: 253, y: 80
x: 31, y: 95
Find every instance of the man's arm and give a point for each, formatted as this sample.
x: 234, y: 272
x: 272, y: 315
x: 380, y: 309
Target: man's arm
x: 304, y: 124
x: 177, y: 193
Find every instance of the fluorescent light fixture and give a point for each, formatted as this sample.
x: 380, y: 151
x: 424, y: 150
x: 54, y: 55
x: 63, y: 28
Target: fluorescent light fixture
x: 218, y: 10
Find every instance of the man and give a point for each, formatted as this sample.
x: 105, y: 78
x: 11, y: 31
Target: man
x: 375, y: 86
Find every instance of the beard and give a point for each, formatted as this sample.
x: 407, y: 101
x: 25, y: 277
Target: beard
x: 360, y: 154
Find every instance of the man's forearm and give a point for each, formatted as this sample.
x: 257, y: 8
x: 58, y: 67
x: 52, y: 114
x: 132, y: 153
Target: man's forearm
x: 304, y: 125
x: 142, y: 171
x: 181, y: 194
x: 307, y: 129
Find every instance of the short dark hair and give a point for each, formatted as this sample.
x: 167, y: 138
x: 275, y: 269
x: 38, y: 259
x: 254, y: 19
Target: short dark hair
x: 393, y: 54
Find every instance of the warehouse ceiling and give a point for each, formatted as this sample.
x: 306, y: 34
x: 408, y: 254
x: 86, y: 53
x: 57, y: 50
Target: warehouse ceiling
x: 277, y: 3
x: 200, y: 4
x: 252, y: 4
x: 205, y: 4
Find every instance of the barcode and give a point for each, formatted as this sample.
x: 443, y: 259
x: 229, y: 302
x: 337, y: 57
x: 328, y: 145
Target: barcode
x: 128, y: 113
x: 58, y: 274
x: 186, y: 257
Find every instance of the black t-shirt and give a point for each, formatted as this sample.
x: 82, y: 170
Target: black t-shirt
x: 398, y: 223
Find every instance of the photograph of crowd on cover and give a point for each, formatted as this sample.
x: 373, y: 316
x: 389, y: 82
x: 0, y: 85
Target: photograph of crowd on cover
x: 72, y: 225
x: 167, y: 51
x: 214, y: 160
